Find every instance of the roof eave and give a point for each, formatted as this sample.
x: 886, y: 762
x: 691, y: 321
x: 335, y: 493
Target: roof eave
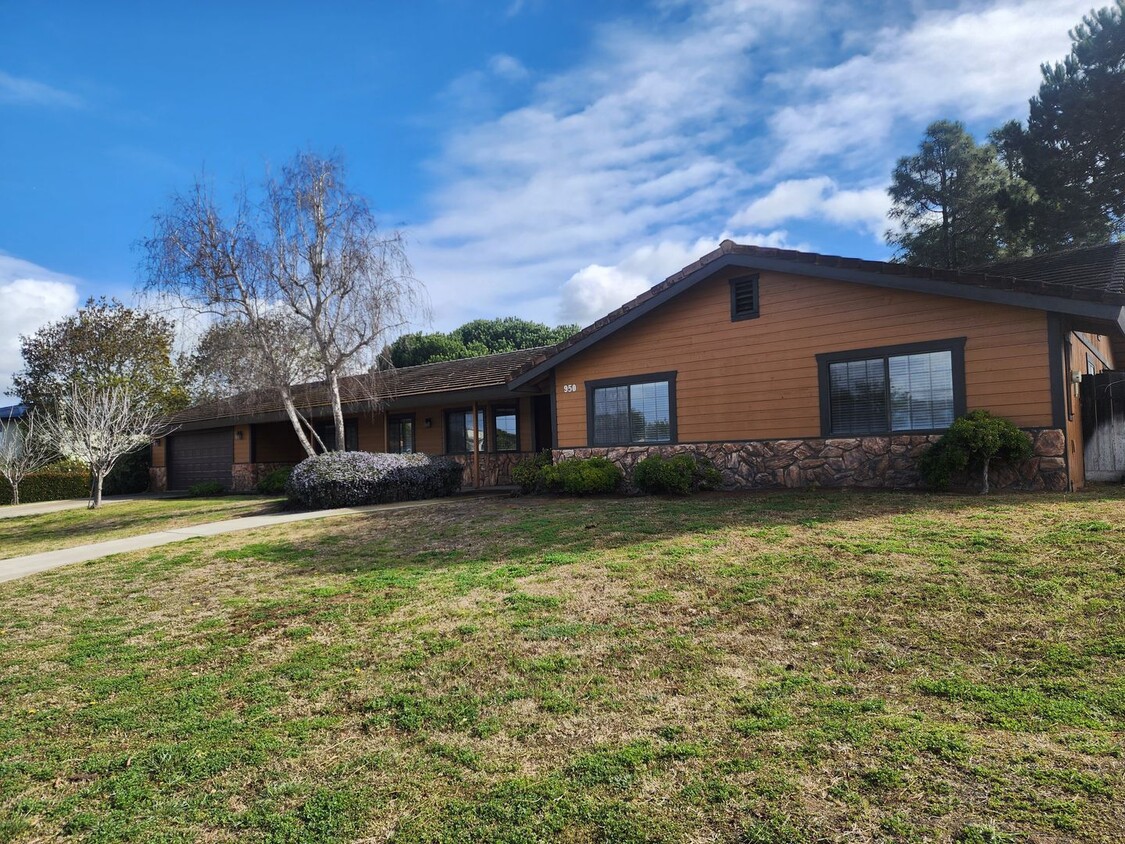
x: 1058, y: 304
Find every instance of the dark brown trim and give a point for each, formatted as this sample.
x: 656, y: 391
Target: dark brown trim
x: 445, y: 414
x: 735, y: 283
x: 625, y: 381
x: 392, y: 418
x: 253, y: 443
x: 954, y: 345
x: 554, y: 413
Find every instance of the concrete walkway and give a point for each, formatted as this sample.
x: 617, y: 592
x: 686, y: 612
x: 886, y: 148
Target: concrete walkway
x: 17, y: 567
x: 12, y: 511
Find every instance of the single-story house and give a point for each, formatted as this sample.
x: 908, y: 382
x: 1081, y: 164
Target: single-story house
x: 785, y: 368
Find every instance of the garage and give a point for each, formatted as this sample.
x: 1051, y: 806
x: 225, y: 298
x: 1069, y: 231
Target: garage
x: 201, y: 456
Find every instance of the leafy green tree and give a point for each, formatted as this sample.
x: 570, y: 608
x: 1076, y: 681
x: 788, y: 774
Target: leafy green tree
x: 949, y: 201
x: 473, y: 339
x: 1073, y: 148
x: 973, y: 443
x: 104, y: 344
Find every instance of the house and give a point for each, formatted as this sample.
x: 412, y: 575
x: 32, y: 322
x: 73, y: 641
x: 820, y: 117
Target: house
x: 785, y: 368
x: 9, y: 416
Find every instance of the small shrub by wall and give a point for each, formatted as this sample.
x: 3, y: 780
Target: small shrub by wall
x: 129, y: 474
x: 206, y: 489
x: 528, y: 473
x: 274, y: 482
x: 52, y: 483
x: 590, y: 476
x: 971, y: 444
x: 679, y: 474
x: 354, y: 478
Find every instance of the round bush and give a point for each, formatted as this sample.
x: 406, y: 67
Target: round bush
x: 353, y: 478
x: 274, y: 482
x: 676, y: 475
x: 592, y: 476
x: 972, y: 443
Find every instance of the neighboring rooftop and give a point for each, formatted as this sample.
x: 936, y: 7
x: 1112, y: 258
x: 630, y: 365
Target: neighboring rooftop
x: 452, y: 376
x: 12, y: 411
x: 1100, y: 268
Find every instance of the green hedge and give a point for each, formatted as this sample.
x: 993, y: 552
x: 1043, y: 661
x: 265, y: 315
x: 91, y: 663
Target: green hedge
x: 50, y: 484
x: 677, y: 475
x: 592, y: 476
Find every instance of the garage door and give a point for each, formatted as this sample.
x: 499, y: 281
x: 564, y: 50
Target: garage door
x: 203, y: 456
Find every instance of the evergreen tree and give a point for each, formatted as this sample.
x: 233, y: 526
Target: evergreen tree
x: 950, y: 200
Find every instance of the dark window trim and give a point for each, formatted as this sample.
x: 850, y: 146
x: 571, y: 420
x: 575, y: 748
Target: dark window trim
x: 351, y: 425
x: 735, y: 315
x: 626, y: 381
x: 449, y: 411
x: 954, y: 345
x: 401, y: 417
x: 491, y: 422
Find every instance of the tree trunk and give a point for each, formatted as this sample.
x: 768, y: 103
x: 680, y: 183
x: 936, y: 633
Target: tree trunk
x: 295, y: 421
x: 984, y: 478
x: 96, y: 497
x: 337, y: 411
x: 15, y: 494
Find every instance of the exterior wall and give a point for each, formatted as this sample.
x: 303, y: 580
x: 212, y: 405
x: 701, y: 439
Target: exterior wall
x: 245, y: 476
x: 242, y: 435
x: 160, y: 453
x: 275, y: 442
x: 869, y: 462
x: 157, y: 479
x: 372, y: 429
x: 1078, y: 356
x: 756, y: 379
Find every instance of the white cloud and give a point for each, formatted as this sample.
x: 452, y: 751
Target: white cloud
x: 818, y: 198
x: 672, y: 127
x: 970, y: 63
x: 20, y: 91
x: 32, y: 297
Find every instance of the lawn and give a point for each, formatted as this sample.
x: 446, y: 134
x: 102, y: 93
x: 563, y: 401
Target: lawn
x: 21, y: 535
x: 790, y: 667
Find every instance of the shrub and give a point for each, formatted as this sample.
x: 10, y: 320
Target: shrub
x: 973, y: 442
x: 206, y: 489
x: 129, y: 474
x: 274, y: 482
x: 676, y: 475
x: 65, y: 479
x: 591, y: 476
x: 352, y: 478
x: 528, y: 473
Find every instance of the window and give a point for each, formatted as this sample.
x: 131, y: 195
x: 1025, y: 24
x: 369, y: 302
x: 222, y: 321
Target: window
x: 633, y: 410
x: 505, y: 429
x: 744, y: 297
x: 916, y: 387
x: 400, y: 434
x: 327, y: 433
x: 459, y: 431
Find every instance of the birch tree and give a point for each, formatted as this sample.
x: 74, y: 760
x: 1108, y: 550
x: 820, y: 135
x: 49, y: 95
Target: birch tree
x: 100, y: 424
x: 23, y: 451
x: 309, y: 252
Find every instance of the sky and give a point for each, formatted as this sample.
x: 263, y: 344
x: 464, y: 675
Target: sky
x: 544, y: 159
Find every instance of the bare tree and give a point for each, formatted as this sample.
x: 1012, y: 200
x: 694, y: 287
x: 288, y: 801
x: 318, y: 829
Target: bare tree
x: 310, y: 255
x: 350, y: 285
x: 23, y: 451
x: 99, y: 424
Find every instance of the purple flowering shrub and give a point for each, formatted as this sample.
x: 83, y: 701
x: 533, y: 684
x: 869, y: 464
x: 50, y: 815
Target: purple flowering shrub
x: 352, y: 478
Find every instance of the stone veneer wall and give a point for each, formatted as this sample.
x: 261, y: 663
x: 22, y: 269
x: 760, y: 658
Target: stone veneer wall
x: 868, y: 462
x: 157, y: 479
x: 495, y: 467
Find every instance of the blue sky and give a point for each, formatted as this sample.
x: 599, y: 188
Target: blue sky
x: 545, y: 159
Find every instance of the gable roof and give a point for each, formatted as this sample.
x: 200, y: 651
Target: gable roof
x: 429, y: 379
x: 1098, y: 268
x: 1095, y: 293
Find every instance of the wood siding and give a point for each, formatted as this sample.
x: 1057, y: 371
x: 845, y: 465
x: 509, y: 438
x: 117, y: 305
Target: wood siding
x: 757, y: 378
x: 242, y: 443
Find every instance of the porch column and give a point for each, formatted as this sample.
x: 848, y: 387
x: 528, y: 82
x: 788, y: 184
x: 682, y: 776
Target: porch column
x: 476, y: 447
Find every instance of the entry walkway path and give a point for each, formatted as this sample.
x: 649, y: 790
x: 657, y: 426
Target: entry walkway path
x: 16, y: 567
x: 12, y: 511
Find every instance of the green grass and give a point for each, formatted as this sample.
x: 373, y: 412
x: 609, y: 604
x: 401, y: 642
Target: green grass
x: 66, y: 528
x: 791, y: 667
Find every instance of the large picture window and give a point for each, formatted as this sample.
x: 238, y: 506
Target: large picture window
x: 632, y: 410
x: 459, y: 435
x: 327, y: 433
x: 915, y: 387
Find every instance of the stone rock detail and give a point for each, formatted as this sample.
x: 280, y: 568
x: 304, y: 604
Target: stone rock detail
x: 865, y: 462
x: 495, y: 468
x: 157, y: 479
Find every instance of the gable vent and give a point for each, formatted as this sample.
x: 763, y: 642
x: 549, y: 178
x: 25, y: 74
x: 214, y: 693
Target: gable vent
x: 744, y: 297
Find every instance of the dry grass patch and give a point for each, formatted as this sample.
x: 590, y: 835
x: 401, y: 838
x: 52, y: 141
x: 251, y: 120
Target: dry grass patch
x: 753, y: 668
